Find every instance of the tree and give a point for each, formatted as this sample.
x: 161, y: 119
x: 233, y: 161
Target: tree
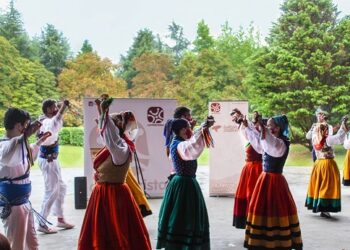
x: 203, y: 77
x: 54, y: 49
x: 181, y: 43
x: 86, y: 48
x: 154, y: 77
x: 11, y: 27
x: 238, y: 48
x: 144, y: 42
x: 300, y: 68
x: 24, y: 84
x: 88, y: 76
x: 203, y: 40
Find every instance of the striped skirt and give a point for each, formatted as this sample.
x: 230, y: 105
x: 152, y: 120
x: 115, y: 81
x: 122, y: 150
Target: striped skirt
x: 323, y: 193
x: 249, y: 176
x: 272, y: 221
x: 346, y: 170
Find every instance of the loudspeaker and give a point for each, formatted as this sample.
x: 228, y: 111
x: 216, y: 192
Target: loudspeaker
x: 80, y: 194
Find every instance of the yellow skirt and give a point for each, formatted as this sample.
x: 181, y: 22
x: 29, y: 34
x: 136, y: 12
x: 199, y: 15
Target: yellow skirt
x: 346, y: 170
x: 138, y: 194
x: 324, y: 187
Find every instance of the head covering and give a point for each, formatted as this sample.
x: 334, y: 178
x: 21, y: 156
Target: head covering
x: 179, y: 124
x: 128, y: 123
x: 167, y: 132
x: 282, y: 122
x: 320, y: 110
x: 321, y: 130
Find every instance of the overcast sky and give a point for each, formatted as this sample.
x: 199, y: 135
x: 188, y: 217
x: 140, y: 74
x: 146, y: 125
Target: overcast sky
x: 111, y: 25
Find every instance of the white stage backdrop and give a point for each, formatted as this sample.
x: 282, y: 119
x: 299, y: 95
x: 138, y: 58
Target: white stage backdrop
x: 151, y: 115
x: 228, y: 155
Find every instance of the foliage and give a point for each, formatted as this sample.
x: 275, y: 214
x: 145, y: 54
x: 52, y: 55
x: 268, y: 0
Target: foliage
x: 180, y: 42
x: 144, y: 42
x: 88, y: 76
x: 303, y: 67
x: 24, y: 84
x: 86, y: 48
x: 54, y: 49
x: 203, y: 40
x: 11, y: 27
x: 154, y: 78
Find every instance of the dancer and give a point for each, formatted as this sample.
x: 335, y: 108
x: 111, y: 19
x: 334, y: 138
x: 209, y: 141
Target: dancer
x: 55, y: 188
x: 112, y: 219
x: 180, y: 112
x: 183, y: 218
x: 272, y: 221
x: 16, y: 158
x: 321, y: 117
x: 323, y: 193
x: 346, y: 170
x: 249, y: 175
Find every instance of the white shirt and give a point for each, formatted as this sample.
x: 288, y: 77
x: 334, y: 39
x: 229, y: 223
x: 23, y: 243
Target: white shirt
x: 12, y: 163
x: 52, y: 125
x: 116, y: 145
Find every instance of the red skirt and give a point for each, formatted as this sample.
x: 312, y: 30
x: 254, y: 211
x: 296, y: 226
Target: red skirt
x: 113, y: 221
x: 249, y: 176
x: 272, y: 221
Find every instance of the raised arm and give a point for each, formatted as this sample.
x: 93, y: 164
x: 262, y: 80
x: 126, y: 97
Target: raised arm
x: 191, y: 149
x: 8, y: 149
x: 117, y: 147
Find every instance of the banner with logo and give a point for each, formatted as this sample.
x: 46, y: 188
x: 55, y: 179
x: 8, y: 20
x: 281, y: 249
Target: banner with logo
x: 151, y: 115
x: 228, y: 155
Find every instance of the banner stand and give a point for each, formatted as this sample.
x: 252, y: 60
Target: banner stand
x: 227, y: 157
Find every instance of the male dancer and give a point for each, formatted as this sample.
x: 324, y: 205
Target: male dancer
x: 55, y: 189
x: 16, y: 158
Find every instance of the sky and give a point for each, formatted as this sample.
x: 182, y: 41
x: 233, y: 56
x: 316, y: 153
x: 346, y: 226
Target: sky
x: 111, y: 25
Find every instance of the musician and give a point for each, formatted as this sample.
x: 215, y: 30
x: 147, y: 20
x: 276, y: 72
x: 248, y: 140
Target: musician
x: 55, y: 188
x: 16, y: 158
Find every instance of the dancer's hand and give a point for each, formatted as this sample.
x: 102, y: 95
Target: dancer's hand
x: 32, y: 128
x: 43, y: 138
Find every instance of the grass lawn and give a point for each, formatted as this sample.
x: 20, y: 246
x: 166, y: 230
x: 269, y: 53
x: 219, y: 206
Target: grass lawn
x: 73, y: 156
x: 69, y: 157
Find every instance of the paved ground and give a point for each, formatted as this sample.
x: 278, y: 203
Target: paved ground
x: 318, y: 233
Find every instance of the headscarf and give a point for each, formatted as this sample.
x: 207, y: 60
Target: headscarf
x: 320, y: 110
x: 168, y: 133
x: 321, y: 130
x: 128, y: 123
x: 282, y: 122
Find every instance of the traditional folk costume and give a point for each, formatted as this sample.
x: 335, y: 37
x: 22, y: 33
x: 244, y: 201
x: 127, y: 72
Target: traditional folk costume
x: 55, y: 188
x: 249, y: 176
x: 324, y: 187
x: 309, y: 134
x: 15, y: 188
x: 183, y: 218
x: 113, y: 219
x: 272, y: 221
x: 346, y: 170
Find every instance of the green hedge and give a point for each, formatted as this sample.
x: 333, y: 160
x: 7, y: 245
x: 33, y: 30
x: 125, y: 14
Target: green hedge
x: 68, y: 136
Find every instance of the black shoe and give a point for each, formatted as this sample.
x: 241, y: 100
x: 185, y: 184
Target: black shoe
x: 325, y: 215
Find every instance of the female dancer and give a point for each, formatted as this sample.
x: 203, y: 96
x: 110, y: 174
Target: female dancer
x: 112, y: 219
x: 323, y: 193
x: 183, y: 218
x: 249, y: 175
x: 272, y: 221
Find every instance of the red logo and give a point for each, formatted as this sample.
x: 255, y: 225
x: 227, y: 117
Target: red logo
x: 215, y: 107
x: 155, y: 115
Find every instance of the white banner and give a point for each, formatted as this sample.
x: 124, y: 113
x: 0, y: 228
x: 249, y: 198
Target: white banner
x: 228, y: 155
x: 151, y: 115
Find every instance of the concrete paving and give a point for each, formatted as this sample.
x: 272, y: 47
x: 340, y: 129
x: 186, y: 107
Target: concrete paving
x: 318, y: 233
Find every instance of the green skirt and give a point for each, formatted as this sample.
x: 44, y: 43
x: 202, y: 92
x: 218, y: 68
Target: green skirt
x: 183, y: 217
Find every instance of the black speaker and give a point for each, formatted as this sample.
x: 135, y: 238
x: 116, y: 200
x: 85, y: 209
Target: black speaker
x: 80, y: 194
